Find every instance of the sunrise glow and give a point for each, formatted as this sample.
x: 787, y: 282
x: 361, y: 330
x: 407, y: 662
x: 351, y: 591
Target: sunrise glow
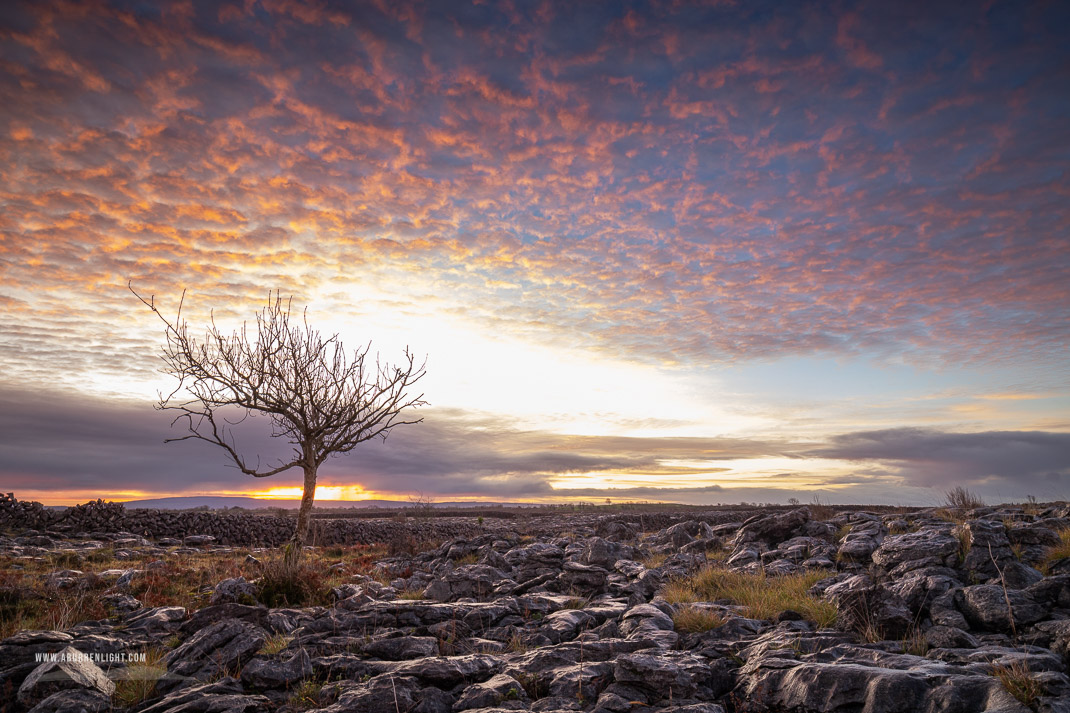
x: 691, y: 252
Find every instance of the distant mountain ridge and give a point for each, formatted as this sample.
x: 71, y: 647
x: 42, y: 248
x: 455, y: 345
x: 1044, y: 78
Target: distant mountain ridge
x: 216, y: 502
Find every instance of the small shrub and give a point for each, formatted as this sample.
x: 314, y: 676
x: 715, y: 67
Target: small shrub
x: 1018, y: 680
x: 959, y: 498
x: 533, y: 685
x: 286, y: 585
x: 695, y: 620
x: 821, y: 511
x: 306, y: 695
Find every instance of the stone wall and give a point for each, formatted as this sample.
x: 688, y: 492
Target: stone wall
x: 249, y: 529
x: 228, y: 528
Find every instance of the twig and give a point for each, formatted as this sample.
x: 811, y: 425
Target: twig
x: 1006, y: 597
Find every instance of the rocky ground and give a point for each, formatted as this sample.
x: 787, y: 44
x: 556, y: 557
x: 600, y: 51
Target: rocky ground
x: 931, y: 610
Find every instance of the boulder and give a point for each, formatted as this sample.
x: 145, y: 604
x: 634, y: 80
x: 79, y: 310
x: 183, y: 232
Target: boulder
x: 448, y: 671
x: 926, y: 545
x: 224, y: 646
x: 993, y: 608
x: 75, y: 700
x: 669, y: 675
x: 272, y: 673
x: 864, y: 606
x: 774, y: 528
x: 234, y: 590
x: 71, y: 669
x: 490, y: 693
x: 401, y: 648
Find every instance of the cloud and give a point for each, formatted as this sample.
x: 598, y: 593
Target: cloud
x: 669, y: 183
x: 1011, y: 462
x: 722, y: 166
x: 67, y: 442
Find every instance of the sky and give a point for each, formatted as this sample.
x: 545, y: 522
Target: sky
x: 701, y: 252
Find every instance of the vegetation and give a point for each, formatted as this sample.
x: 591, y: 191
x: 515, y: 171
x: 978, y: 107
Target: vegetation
x: 306, y: 695
x: 139, y: 681
x: 965, y: 542
x: 653, y: 560
x: 321, y: 400
x: 1058, y: 552
x: 276, y: 643
x: 695, y: 620
x: 915, y: 642
x: 1018, y: 680
x: 959, y: 498
x: 471, y: 558
x: 30, y: 598
x: 761, y: 596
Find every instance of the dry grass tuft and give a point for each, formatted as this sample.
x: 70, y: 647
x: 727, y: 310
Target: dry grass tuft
x: 139, y: 681
x: 959, y: 498
x: 653, y: 560
x: 1018, y: 680
x: 1058, y: 552
x: 276, y: 643
x: 695, y: 620
x: 915, y: 642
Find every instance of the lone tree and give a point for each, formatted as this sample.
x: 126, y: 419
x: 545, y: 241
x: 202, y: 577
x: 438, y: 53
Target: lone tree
x: 320, y: 400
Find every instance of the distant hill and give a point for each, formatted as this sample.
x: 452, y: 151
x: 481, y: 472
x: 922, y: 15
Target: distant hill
x: 216, y: 502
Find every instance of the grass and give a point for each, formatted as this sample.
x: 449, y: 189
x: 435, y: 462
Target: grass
x: 1018, y: 680
x: 306, y: 695
x: 761, y: 596
x: 517, y: 645
x: 959, y: 498
x: 915, y: 643
x: 28, y: 601
x: 276, y: 643
x: 695, y: 620
x: 965, y: 542
x: 140, y: 680
x: 471, y: 558
x: 653, y: 560
x: 1058, y: 552
x: 411, y: 594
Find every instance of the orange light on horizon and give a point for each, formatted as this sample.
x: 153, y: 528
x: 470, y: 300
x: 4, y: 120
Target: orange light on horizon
x: 323, y: 492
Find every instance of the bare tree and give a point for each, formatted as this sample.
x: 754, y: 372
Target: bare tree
x: 320, y: 400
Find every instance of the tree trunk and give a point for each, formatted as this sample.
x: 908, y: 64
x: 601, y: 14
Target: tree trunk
x: 304, y: 517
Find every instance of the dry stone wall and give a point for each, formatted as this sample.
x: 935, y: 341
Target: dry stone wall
x: 227, y: 528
